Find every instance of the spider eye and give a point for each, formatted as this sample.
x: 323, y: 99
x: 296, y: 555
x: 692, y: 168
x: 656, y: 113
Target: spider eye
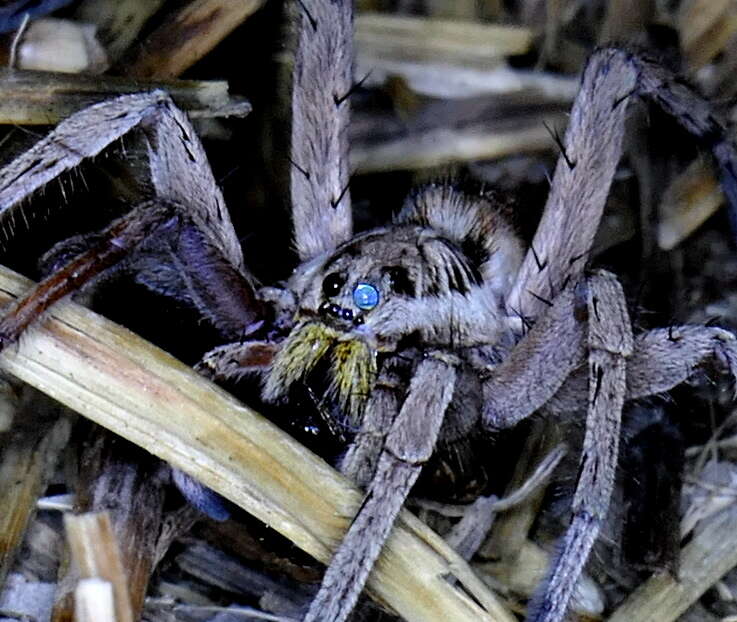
x: 366, y: 296
x: 332, y: 284
x: 400, y: 281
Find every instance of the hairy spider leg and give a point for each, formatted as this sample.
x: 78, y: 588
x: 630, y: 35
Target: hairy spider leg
x: 202, y: 243
x: 116, y: 242
x: 408, y: 445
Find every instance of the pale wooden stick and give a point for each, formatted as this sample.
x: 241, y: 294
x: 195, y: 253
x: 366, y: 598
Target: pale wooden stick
x: 42, y: 98
x: 28, y: 453
x: 189, y: 35
x: 439, y: 40
x: 97, y: 555
x: 93, y: 601
x: 704, y: 560
x: 443, y: 146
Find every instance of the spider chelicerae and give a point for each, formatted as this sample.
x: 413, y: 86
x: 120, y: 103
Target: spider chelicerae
x: 432, y: 326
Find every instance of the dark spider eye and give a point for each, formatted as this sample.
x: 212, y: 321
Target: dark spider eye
x: 332, y: 284
x: 400, y: 281
x: 365, y: 296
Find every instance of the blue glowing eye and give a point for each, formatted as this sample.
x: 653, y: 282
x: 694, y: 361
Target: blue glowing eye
x: 366, y: 296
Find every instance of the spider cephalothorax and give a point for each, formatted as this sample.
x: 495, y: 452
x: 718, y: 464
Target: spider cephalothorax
x: 437, y: 276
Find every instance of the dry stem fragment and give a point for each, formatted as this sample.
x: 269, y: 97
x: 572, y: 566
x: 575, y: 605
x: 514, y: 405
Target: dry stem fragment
x: 40, y: 98
x: 188, y: 35
x: 97, y: 555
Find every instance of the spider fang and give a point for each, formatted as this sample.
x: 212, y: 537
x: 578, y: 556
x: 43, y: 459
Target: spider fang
x: 354, y: 372
x: 353, y: 366
x: 305, y: 347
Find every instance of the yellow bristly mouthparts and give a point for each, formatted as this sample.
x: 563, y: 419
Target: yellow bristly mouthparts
x: 304, y: 347
x: 354, y: 375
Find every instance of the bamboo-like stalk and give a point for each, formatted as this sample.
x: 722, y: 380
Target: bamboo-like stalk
x: 37, y: 97
x: 704, y: 560
x: 438, y: 40
x: 97, y: 555
x: 124, y: 383
x: 94, y: 602
x: 689, y: 200
x: 444, y: 146
x: 188, y: 35
x: 28, y: 454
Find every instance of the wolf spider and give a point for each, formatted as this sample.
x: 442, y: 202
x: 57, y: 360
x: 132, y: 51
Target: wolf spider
x: 434, y: 325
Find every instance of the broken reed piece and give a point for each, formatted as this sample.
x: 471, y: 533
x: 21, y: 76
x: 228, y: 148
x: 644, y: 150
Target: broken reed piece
x: 130, y: 485
x: 96, y: 554
x: 704, y: 560
x: 690, y: 199
x: 43, y: 98
x: 457, y: 82
x: 485, y: 108
x: 29, y: 451
x: 439, y: 40
x: 441, y: 146
x: 129, y: 386
x: 187, y: 35
x: 94, y: 601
